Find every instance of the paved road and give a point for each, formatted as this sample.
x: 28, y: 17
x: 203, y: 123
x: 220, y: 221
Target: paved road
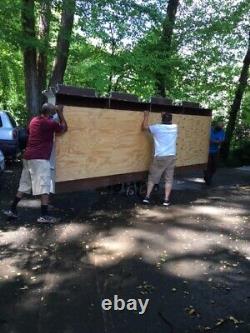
x: 191, y: 260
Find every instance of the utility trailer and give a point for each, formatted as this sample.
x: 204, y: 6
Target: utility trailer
x: 105, y: 146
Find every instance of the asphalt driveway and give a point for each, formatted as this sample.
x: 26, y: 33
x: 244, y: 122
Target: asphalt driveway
x: 191, y: 260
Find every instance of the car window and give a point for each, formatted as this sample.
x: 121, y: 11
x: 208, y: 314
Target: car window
x: 12, y: 120
x: 1, y: 123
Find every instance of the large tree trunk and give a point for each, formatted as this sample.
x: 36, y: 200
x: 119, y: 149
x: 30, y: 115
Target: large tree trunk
x: 63, y: 42
x: 44, y: 29
x: 236, y: 103
x: 166, y: 41
x: 29, y: 57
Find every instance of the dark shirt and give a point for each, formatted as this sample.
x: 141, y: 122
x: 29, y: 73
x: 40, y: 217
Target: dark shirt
x: 214, y: 136
x: 41, y: 135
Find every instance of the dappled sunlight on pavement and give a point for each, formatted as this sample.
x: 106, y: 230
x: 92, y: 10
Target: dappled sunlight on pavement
x: 69, y: 232
x: 181, y: 233
x: 30, y: 203
x: 17, y: 238
x: 191, y: 260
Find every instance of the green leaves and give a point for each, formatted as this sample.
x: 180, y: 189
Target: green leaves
x: 117, y: 45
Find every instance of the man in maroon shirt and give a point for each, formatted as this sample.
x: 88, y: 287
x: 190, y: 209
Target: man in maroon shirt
x: 36, y: 173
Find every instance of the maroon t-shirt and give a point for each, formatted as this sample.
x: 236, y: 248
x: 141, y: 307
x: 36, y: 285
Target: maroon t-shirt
x: 41, y: 135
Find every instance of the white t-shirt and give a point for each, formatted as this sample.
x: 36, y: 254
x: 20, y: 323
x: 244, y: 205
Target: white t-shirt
x: 164, y: 139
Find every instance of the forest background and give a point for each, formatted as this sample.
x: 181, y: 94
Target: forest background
x: 186, y: 50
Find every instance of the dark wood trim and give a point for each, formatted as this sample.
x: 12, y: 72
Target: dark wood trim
x: 191, y: 104
x: 92, y: 183
x: 180, y: 109
x: 97, y: 182
x: 73, y: 96
x: 75, y: 91
x: 124, y: 96
x: 117, y: 104
x: 83, y: 101
x: 188, y: 168
x: 108, y: 103
x: 161, y: 100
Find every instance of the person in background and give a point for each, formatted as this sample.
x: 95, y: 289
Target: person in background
x: 165, y: 136
x: 217, y: 136
x: 36, y: 173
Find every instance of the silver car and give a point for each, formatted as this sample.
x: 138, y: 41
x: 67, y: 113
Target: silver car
x: 12, y: 137
x: 2, y: 162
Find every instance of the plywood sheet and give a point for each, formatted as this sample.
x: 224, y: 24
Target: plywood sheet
x: 102, y: 142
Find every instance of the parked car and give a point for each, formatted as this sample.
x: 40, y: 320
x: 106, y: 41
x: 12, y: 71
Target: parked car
x: 2, y: 162
x: 12, y: 137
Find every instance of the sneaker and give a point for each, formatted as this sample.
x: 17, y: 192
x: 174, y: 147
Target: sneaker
x: 9, y: 213
x: 47, y: 219
x: 207, y: 181
x: 166, y: 203
x: 146, y: 201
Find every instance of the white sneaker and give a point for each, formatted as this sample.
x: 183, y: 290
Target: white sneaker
x: 47, y: 219
x: 146, y: 201
x: 10, y: 214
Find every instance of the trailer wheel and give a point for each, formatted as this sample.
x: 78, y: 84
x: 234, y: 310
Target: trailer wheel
x: 117, y: 188
x: 130, y: 191
x: 142, y: 189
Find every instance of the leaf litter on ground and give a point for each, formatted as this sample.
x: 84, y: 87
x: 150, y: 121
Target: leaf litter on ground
x: 146, y: 288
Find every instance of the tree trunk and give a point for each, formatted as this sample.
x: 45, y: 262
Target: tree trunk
x: 166, y: 41
x: 29, y: 57
x: 44, y: 29
x: 236, y: 103
x: 63, y: 42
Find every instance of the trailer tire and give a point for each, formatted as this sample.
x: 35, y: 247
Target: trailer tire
x: 117, y: 188
x: 142, y: 189
x: 130, y: 191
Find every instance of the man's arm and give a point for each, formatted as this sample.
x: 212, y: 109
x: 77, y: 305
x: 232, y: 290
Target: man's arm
x: 144, y: 125
x: 62, y: 121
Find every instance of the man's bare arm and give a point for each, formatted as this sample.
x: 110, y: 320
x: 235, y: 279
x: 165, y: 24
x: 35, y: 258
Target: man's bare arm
x: 59, y: 109
x: 144, y: 125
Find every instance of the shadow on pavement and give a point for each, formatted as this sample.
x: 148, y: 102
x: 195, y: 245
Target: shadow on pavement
x: 191, y: 261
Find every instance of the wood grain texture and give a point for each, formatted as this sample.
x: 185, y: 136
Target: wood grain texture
x: 103, y: 142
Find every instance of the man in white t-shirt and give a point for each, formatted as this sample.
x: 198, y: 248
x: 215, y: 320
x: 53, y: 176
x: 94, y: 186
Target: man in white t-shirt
x: 164, y: 135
